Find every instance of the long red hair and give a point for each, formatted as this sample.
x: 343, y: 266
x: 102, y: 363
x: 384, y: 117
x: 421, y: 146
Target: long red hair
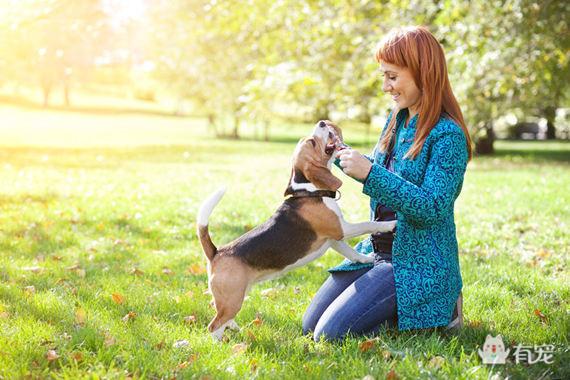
x: 418, y: 50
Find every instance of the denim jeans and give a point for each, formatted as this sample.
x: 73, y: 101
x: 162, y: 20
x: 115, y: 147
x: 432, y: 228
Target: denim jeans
x: 356, y: 302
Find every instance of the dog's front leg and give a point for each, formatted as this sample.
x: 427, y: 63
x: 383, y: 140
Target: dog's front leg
x: 348, y: 252
x: 351, y: 230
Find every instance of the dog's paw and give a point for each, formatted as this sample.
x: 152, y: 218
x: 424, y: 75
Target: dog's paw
x: 385, y: 226
x: 363, y: 259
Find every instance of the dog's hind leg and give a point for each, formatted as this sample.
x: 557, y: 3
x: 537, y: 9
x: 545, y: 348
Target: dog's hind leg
x: 228, y: 297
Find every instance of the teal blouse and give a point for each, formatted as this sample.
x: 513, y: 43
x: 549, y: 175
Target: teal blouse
x: 422, y: 191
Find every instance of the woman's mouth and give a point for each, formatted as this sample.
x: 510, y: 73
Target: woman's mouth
x: 395, y: 97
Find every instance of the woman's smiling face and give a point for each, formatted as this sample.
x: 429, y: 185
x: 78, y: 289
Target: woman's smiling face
x: 399, y: 82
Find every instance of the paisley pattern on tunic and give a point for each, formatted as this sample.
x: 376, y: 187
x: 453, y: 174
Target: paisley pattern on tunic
x: 422, y: 191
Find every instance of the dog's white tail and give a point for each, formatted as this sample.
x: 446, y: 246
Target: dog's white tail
x: 206, y: 209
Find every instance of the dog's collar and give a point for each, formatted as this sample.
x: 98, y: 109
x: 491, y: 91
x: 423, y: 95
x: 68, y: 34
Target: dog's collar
x: 315, y: 194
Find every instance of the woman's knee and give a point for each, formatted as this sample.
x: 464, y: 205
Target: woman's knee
x: 309, y: 322
x: 329, y: 330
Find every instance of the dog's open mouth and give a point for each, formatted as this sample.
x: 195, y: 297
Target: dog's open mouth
x: 331, y: 144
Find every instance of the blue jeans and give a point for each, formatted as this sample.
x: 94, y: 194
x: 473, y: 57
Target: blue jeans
x: 356, y: 302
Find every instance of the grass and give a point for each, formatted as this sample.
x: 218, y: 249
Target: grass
x: 96, y: 205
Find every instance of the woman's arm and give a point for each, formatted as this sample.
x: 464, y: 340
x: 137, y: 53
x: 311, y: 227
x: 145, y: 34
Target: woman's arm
x: 427, y: 203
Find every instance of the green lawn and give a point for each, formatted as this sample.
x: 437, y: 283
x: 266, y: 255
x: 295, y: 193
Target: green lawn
x: 99, y: 205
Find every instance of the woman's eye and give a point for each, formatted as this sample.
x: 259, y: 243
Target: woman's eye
x: 392, y: 78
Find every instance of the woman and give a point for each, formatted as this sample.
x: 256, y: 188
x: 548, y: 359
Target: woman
x: 414, y: 175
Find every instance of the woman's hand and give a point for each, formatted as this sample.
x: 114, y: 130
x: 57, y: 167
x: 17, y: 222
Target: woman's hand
x: 354, y: 164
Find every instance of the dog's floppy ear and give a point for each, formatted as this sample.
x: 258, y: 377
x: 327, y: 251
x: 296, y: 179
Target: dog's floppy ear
x: 321, y: 176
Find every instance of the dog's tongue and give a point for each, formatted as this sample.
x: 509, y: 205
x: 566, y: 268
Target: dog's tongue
x: 330, y: 148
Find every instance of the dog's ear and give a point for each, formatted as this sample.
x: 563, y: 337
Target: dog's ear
x: 321, y: 176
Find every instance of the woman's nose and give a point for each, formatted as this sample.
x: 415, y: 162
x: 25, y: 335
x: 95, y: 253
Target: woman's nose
x: 386, y: 87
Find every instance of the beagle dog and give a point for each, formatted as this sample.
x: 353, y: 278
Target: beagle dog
x: 307, y: 224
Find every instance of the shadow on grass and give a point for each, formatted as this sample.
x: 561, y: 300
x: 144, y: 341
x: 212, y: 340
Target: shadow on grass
x: 31, y: 105
x: 535, y: 155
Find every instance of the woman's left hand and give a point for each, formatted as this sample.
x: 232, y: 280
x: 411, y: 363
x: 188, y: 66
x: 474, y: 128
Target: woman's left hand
x: 354, y: 164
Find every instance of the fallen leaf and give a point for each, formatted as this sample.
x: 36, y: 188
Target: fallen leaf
x: 73, y: 267
x: 474, y: 324
x: 189, y: 294
x: 391, y: 375
x: 386, y: 354
x: 182, y: 365
x: 56, y: 258
x: 436, y: 362
x: 77, y: 356
x: 159, y: 346
x: 4, y: 315
x: 80, y: 316
x: 190, y: 319
x: 181, y: 343
x: 167, y: 271
x: 35, y: 269
x: 109, y: 340
x: 269, y: 292
x: 366, y: 345
x: 239, y: 348
x: 129, y: 316
x: 253, y: 364
x: 258, y: 321
x: 117, y: 298
x: 192, y: 358
x: 30, y: 290
x: 543, y: 254
x: 540, y: 315
x: 251, y: 335
x: 137, y: 272
x: 196, y: 269
x: 52, y: 355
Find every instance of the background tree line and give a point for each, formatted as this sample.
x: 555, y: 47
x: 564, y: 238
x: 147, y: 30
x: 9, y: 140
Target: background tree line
x: 250, y: 61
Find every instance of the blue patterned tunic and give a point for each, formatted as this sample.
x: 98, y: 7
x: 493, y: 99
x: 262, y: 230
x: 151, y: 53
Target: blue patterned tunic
x: 422, y: 191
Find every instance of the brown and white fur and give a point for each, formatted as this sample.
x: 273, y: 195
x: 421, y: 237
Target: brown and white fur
x: 300, y: 231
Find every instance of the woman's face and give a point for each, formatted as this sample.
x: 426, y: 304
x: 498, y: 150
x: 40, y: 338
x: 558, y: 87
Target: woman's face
x: 399, y: 83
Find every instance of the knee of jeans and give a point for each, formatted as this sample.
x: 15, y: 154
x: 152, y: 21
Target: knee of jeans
x: 309, y: 322
x: 328, y: 331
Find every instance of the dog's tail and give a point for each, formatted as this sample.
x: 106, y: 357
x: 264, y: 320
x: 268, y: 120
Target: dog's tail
x: 203, y: 215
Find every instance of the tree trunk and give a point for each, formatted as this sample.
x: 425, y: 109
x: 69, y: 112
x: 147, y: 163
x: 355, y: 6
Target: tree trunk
x: 484, y: 145
x: 235, y: 134
x: 66, y: 94
x: 550, y: 114
x: 265, y: 130
x: 46, y: 92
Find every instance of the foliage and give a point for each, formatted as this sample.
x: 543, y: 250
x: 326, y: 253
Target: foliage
x: 248, y: 61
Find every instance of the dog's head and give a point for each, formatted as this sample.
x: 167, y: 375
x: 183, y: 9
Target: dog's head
x: 313, y: 157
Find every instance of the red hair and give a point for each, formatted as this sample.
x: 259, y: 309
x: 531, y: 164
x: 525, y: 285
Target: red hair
x: 417, y: 49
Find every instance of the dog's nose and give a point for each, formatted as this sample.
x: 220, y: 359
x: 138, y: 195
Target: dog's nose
x: 322, y: 124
